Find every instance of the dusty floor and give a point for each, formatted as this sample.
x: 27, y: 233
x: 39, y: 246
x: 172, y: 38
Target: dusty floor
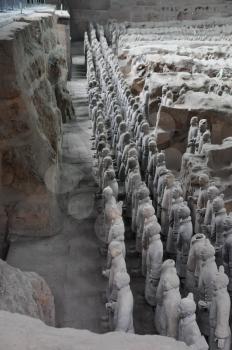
x: 70, y: 262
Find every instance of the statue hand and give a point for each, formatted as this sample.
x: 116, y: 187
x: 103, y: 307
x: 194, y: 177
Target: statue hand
x: 221, y: 343
x: 109, y: 306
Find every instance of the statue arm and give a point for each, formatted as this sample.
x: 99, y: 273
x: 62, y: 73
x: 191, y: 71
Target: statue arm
x: 222, y: 315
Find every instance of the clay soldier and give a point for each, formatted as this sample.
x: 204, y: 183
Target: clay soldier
x: 220, y: 334
x: 132, y: 180
x: 185, y: 232
x: 145, y: 148
x: 110, y: 204
x: 123, y: 307
x: 206, y: 278
x: 192, y: 135
x: 212, y: 193
x: 144, y: 199
x: 107, y: 165
x: 201, y: 202
x: 117, y: 231
x: 146, y: 100
x: 149, y: 218
x: 119, y: 147
x: 166, y: 204
x: 174, y: 222
x: 217, y: 233
x: 194, y: 263
x: 168, y: 299
x: 161, y: 163
x: 154, y: 259
x: 189, y: 332
x: 202, y: 129
x: 122, y: 171
x: 227, y: 250
x: 152, y: 163
x: 118, y: 264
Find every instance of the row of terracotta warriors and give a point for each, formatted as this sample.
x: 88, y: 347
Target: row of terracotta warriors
x: 121, y: 151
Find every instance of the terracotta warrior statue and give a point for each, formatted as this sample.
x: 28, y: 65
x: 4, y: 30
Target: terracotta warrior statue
x: 149, y: 218
x: 194, y: 263
x: 118, y: 264
x: 212, y: 193
x: 117, y: 232
x: 154, y: 261
x: 168, y: 299
x: 217, y: 233
x: 201, y: 202
x: 144, y: 199
x: 205, y: 290
x: 109, y: 206
x: 152, y: 163
x: 192, y: 135
x: 185, y: 232
x: 123, y: 307
x: 166, y: 204
x: 219, y: 314
x: 188, y: 331
x: 227, y: 250
x: 174, y: 222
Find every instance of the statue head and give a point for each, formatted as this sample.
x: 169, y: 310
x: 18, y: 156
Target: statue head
x: 143, y: 192
x: 203, y: 125
x: 101, y: 146
x: 187, y: 306
x: 133, y: 153
x: 169, y: 179
x: 108, y: 193
x: 145, y: 128
x: 146, y: 87
x: 152, y: 146
x: 132, y: 163
x: 184, y: 212
x: 122, y: 280
x: 207, y: 251
x: 161, y: 158
x: 111, y: 174
x: 194, y: 121
x: 212, y: 192
x: 177, y: 192
x: 102, y: 137
x: 105, y: 152
x: 135, y: 107
x: 221, y: 280
x: 218, y: 203
x: 168, y: 264
x: 118, y: 119
x: 203, y: 180
x: 122, y: 127
x: 107, y: 162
